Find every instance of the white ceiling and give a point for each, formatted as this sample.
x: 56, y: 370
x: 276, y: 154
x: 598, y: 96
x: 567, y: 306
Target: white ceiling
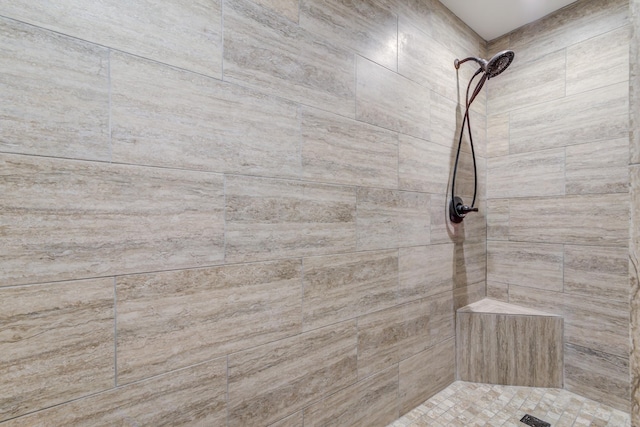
x: 493, y: 18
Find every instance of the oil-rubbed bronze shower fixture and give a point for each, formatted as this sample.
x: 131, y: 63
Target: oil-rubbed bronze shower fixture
x: 491, y: 68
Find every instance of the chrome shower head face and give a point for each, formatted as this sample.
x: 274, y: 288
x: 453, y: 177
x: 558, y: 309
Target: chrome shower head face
x: 499, y: 63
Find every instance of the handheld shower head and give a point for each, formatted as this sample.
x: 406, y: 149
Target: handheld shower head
x: 492, y: 67
x: 499, y: 63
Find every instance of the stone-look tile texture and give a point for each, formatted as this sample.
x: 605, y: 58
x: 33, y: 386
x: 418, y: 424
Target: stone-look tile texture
x: 267, y: 52
x: 634, y: 279
x: 68, y: 219
x: 509, y: 345
x: 341, y: 287
x: 366, y: 27
x: 395, y: 334
x: 634, y: 176
x: 272, y: 218
x: 175, y: 319
x: 344, y: 151
x: 183, y: 33
x: 195, y: 396
x: 391, y: 218
x: 173, y: 118
x: 366, y: 403
x: 56, y: 344
x: 259, y: 184
x: 426, y: 373
x: 388, y: 100
x: 558, y: 200
x: 42, y: 113
x: 276, y: 379
x: 526, y: 264
x: 465, y: 404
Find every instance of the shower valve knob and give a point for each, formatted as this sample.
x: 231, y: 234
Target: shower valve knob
x: 458, y: 210
x: 463, y: 209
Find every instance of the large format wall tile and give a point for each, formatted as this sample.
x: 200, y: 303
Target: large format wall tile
x: 183, y: 33
x: 498, y: 135
x: 371, y: 402
x: 594, y: 323
x: 463, y: 296
x: 425, y: 270
x: 341, y: 287
x: 599, y: 61
x: 55, y: 94
x: 392, y: 335
x: 195, y: 396
x: 364, y: 26
x: 471, y: 231
x: 634, y: 273
x: 598, y: 167
x: 66, y: 219
x: 597, y: 375
x: 498, y: 291
x: 601, y: 219
x: 446, y: 120
x: 572, y: 120
x: 544, y: 79
x: 56, y: 344
x: 269, y: 382
x: 526, y: 264
x: 167, y: 117
x: 575, y: 23
x: 471, y: 262
x: 498, y: 219
x: 539, y: 173
x: 287, y: 8
x: 269, y: 53
x: 391, y: 218
x: 270, y: 219
x: 415, y: 50
x: 295, y: 420
x: 634, y: 88
x: 601, y: 325
x: 447, y: 28
x: 344, y: 151
x: 597, y: 271
x: 423, y: 165
x: 175, y: 319
x: 425, y: 374
x: 391, y: 101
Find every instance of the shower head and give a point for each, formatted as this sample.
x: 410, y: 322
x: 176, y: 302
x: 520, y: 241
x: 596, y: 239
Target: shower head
x: 492, y: 67
x: 499, y: 63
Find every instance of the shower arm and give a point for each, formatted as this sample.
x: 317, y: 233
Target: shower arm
x: 483, y: 63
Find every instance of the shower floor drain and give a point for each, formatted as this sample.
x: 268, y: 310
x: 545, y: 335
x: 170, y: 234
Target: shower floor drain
x: 532, y: 421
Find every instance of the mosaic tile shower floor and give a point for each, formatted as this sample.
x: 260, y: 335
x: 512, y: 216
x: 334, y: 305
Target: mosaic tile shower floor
x: 464, y: 404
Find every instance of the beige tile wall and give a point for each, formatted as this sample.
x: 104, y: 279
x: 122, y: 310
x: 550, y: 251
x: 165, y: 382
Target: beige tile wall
x: 558, y: 186
x: 634, y: 173
x: 232, y: 212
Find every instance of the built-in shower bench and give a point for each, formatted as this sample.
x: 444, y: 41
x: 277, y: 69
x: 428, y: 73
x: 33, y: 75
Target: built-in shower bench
x: 502, y: 343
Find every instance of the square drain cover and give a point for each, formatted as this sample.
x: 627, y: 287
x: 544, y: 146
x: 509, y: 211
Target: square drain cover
x: 532, y: 421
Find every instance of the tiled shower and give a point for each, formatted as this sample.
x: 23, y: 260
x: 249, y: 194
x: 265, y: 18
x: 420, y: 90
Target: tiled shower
x: 233, y: 212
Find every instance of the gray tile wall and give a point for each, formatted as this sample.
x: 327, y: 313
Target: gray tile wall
x: 232, y: 212
x: 558, y: 186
